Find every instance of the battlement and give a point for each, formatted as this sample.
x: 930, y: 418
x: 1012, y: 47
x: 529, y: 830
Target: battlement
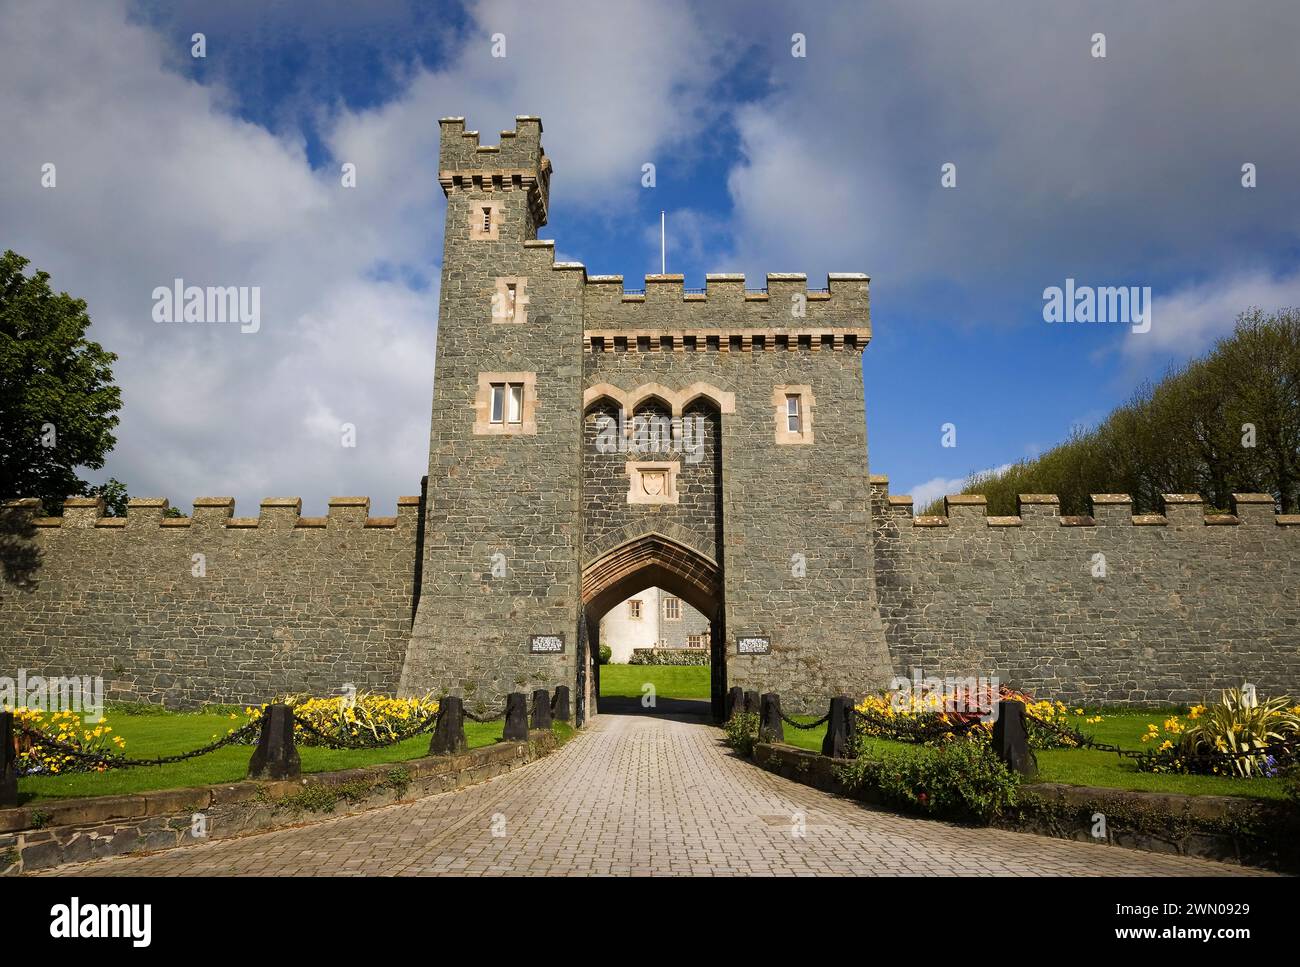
x: 276, y: 513
x: 1181, y: 512
x: 517, y: 163
x: 726, y: 314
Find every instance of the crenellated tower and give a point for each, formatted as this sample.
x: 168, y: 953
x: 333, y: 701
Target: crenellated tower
x: 500, y: 558
x: 537, y: 515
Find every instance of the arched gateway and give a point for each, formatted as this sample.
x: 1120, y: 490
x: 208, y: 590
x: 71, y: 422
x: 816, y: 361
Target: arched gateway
x: 590, y: 440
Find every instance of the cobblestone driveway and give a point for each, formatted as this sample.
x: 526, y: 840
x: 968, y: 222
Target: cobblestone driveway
x: 642, y: 795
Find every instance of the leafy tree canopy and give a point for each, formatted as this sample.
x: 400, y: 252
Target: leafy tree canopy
x: 57, y: 396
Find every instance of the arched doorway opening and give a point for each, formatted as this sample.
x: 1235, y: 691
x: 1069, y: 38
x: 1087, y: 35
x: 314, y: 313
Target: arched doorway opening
x: 654, y: 560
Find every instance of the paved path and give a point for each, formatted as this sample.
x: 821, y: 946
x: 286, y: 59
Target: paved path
x: 634, y: 794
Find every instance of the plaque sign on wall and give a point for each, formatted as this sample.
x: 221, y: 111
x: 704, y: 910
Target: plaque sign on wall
x: 546, y: 645
x: 753, y: 645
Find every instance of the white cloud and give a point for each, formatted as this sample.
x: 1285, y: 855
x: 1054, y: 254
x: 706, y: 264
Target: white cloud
x: 937, y: 487
x: 158, y: 180
x: 1189, y: 320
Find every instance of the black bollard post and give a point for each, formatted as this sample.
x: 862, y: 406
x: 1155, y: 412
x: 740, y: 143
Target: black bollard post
x: 449, y: 732
x: 8, y: 760
x: 541, y: 718
x: 275, y: 757
x: 1011, y: 739
x: 560, y: 707
x: 516, y: 728
x: 770, y: 727
x: 838, y: 743
x: 735, y: 701
x: 751, y: 702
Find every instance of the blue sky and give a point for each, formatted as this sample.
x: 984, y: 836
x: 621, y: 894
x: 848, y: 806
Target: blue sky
x: 1123, y: 170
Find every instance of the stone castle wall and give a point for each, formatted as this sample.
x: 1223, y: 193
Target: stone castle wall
x: 522, y: 522
x: 283, y: 603
x: 1189, y: 604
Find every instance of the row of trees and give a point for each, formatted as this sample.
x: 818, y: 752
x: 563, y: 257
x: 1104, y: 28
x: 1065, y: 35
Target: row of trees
x: 1227, y: 423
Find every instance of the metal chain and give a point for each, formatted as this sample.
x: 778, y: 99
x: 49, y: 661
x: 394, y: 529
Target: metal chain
x: 111, y: 761
x: 484, y: 719
x: 918, y: 730
x: 800, y: 725
x: 336, y: 743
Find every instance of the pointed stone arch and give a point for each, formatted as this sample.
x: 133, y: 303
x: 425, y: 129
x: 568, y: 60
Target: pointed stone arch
x: 651, y: 560
x: 676, y: 400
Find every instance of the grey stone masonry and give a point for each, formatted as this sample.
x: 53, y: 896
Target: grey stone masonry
x: 778, y: 527
x: 1108, y: 608
x: 502, y: 536
x: 211, y: 607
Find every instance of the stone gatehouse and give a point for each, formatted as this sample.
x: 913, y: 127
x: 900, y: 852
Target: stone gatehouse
x: 591, y: 440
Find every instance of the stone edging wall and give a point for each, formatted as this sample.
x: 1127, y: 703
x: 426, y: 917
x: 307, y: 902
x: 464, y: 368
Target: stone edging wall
x: 1223, y: 828
x: 50, y: 834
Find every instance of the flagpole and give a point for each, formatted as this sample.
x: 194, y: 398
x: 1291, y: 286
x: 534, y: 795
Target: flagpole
x: 663, y: 245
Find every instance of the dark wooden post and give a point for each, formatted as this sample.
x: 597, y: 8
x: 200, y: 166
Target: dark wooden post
x: 449, y: 732
x: 839, y: 729
x: 560, y: 707
x: 1011, y: 739
x: 751, y: 702
x: 770, y: 727
x: 735, y: 701
x: 516, y: 728
x: 275, y: 757
x: 8, y: 760
x: 541, y: 709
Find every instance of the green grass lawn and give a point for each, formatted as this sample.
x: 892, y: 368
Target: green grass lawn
x: 1088, y: 767
x: 670, y: 681
x: 170, y: 733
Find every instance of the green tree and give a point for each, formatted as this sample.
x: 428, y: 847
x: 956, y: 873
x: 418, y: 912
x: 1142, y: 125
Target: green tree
x: 115, y: 496
x: 1225, y: 424
x: 57, y: 396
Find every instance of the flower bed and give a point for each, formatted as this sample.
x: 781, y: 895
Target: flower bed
x: 367, y: 719
x: 1240, y: 735
x: 67, y: 729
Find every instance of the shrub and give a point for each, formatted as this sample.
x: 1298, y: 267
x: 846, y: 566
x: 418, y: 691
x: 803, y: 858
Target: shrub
x: 962, y: 779
x: 668, y: 656
x: 369, y: 718
x: 1231, y: 725
x: 35, y: 759
x: 742, y: 732
x: 605, y: 654
x: 1293, y: 783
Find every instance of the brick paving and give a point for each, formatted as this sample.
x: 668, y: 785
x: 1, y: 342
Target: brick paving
x: 642, y: 794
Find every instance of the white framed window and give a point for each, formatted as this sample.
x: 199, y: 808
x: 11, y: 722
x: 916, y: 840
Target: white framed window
x: 672, y: 609
x: 793, y: 407
x: 696, y: 641
x: 634, y: 609
x: 507, y: 403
